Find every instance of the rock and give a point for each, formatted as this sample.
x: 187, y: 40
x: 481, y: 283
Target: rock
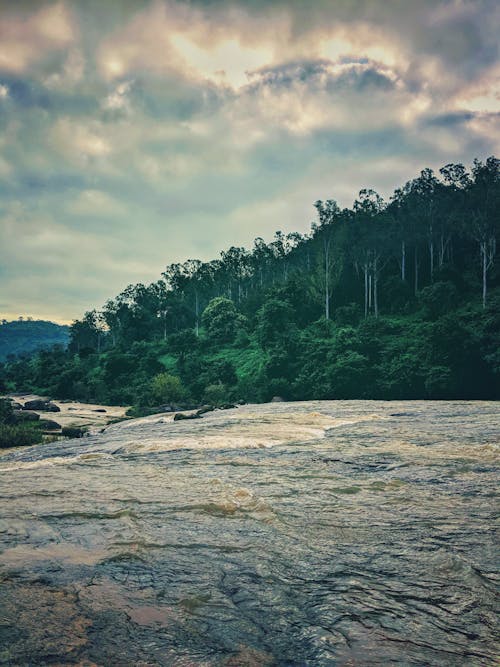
x: 49, y: 425
x: 277, y: 399
x: 72, y: 432
x: 15, y: 405
x: 39, y: 404
x: 26, y: 416
x: 182, y: 415
x: 72, y: 409
x: 204, y: 409
x: 98, y: 410
x: 227, y: 406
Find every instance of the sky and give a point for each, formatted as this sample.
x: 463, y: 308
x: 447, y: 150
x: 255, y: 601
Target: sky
x: 134, y: 133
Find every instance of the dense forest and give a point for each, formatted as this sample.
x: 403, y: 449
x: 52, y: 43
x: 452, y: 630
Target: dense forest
x: 395, y: 299
x: 26, y: 335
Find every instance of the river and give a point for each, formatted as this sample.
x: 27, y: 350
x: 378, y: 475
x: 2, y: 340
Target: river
x: 349, y: 533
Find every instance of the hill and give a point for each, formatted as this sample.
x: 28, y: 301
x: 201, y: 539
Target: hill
x: 26, y: 336
x: 395, y: 299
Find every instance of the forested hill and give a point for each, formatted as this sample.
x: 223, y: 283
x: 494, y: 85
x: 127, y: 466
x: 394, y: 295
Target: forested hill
x: 27, y: 335
x: 387, y: 299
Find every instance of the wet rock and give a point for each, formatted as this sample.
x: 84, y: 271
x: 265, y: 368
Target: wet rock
x: 204, y: 409
x: 26, y: 416
x: 277, y: 399
x: 182, y: 415
x: 72, y: 432
x: 49, y: 425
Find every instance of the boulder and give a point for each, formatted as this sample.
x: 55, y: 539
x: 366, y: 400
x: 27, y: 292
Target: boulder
x: 98, y: 410
x: 52, y: 407
x: 277, y: 399
x: 227, y: 406
x: 26, y: 416
x: 49, y: 425
x: 72, y: 432
x: 15, y: 405
x: 36, y: 404
x: 40, y: 404
x: 204, y: 409
x: 182, y: 415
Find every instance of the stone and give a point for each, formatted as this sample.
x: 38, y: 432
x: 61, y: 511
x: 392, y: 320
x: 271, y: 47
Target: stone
x: 72, y: 432
x: 277, y: 399
x: 182, y: 415
x: 204, y: 409
x: 40, y: 404
x: 49, y: 425
x: 98, y: 410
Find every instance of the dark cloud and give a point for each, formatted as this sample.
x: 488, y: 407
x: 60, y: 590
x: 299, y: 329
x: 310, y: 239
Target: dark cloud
x: 143, y: 132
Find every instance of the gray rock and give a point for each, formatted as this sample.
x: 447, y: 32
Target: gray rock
x: 39, y: 404
x: 49, y: 425
x: 181, y: 415
x: 277, y: 399
x: 72, y: 432
x: 204, y: 409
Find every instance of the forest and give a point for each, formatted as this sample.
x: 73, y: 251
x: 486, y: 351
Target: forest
x: 26, y: 335
x: 396, y: 299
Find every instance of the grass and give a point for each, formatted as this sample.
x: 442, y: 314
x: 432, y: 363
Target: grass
x: 17, y: 435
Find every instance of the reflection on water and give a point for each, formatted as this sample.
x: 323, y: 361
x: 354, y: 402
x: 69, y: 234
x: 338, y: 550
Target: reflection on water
x: 325, y: 533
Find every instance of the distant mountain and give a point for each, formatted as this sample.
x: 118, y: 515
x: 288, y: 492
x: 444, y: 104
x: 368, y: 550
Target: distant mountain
x: 24, y: 336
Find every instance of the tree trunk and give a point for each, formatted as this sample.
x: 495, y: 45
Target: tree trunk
x: 375, y: 287
x: 403, y: 260
x: 370, y: 292
x: 365, y: 268
x: 197, y: 314
x: 431, y: 254
x: 416, y: 271
x: 485, y: 270
x: 327, y: 281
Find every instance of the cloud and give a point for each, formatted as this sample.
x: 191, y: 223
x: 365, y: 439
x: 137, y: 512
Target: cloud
x: 25, y: 39
x: 136, y: 134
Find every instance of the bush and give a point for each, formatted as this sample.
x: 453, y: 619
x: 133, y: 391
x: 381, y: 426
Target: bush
x: 19, y: 435
x: 166, y: 388
x: 215, y: 394
x: 220, y: 319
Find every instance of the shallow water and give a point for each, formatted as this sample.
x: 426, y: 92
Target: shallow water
x: 321, y: 533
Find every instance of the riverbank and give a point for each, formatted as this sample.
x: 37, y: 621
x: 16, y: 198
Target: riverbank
x: 87, y: 417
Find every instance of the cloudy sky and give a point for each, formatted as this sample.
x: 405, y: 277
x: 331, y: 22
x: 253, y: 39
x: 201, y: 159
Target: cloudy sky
x: 134, y: 134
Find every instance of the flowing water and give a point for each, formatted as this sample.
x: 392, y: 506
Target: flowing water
x: 320, y: 533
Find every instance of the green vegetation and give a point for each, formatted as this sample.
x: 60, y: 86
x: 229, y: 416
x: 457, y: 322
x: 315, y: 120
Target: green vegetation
x: 15, y: 435
x: 26, y: 335
x: 387, y: 300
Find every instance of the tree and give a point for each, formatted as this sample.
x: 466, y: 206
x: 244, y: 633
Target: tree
x: 329, y: 215
x: 220, y: 319
x: 167, y: 388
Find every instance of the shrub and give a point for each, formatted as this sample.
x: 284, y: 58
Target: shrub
x: 166, y: 388
x: 215, y: 394
x: 17, y: 435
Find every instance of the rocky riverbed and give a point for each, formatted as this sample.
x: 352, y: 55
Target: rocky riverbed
x: 320, y: 533
x: 66, y: 414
